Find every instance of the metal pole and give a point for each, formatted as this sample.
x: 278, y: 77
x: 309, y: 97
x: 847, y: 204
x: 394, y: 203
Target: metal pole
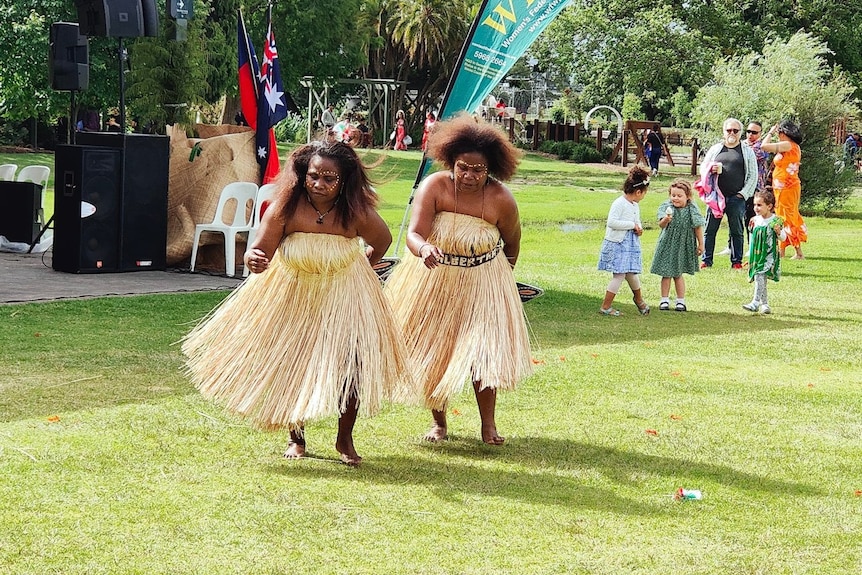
x: 122, y: 57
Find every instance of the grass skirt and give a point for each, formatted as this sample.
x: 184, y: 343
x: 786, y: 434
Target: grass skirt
x: 461, y: 324
x: 292, y: 344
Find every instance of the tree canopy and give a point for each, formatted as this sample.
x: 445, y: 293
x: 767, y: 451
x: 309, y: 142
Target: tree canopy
x: 663, y: 51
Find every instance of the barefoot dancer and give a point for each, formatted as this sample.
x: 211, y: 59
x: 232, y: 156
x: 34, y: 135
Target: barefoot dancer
x: 310, y: 333
x: 457, y: 300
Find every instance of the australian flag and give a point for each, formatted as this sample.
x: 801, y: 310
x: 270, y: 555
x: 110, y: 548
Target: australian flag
x: 271, y: 106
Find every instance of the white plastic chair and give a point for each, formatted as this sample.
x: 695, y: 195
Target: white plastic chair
x: 7, y: 172
x: 37, y: 175
x: 264, y: 196
x: 242, y: 194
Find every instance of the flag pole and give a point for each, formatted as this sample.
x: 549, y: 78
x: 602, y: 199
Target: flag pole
x: 423, y: 166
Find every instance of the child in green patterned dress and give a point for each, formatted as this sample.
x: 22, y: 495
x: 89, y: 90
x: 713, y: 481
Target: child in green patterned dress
x: 763, y: 259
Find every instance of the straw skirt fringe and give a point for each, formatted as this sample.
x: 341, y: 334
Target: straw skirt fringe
x: 292, y: 344
x: 461, y: 324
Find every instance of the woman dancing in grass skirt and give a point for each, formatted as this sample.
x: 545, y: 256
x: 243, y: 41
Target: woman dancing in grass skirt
x: 456, y: 300
x: 310, y: 333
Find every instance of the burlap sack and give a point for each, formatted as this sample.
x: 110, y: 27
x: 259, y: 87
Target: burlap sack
x: 196, y: 181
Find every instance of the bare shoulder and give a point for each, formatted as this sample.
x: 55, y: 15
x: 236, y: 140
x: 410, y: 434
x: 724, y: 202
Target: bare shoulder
x: 500, y: 194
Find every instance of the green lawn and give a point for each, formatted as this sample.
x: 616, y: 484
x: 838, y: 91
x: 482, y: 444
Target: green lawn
x: 112, y: 463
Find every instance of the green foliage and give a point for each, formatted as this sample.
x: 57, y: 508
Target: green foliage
x: 581, y: 152
x: 681, y: 108
x: 632, y: 109
x: 292, y: 129
x: 789, y: 80
x: 167, y: 76
x: 617, y: 47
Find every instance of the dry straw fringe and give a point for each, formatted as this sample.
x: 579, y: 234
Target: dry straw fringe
x: 461, y: 324
x: 294, y: 343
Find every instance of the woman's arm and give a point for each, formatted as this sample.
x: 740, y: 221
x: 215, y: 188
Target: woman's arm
x: 376, y: 234
x: 272, y: 230
x: 509, y: 225
x: 422, y: 218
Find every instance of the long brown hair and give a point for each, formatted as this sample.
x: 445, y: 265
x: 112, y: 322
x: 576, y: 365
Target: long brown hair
x: 357, y: 196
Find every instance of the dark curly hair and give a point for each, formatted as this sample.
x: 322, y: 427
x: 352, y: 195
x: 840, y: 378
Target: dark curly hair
x: 463, y: 135
x: 356, y: 196
x: 767, y: 196
x: 790, y: 130
x: 636, y: 179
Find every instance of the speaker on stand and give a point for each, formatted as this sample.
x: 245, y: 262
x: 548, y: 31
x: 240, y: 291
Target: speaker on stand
x: 68, y: 65
x: 87, y: 194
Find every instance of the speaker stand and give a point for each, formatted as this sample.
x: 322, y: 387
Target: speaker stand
x: 121, y: 55
x: 41, y: 233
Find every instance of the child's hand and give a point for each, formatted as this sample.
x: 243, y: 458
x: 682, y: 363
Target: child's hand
x: 699, y: 249
x: 638, y: 230
x: 777, y: 228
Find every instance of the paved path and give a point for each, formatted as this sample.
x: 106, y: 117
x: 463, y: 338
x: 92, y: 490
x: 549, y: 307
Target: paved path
x: 30, y: 278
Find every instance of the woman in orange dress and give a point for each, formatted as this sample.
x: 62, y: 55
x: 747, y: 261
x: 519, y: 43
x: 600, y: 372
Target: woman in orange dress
x: 786, y: 184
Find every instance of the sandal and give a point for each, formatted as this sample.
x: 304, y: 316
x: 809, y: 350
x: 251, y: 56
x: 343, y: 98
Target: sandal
x: 610, y: 311
x: 643, y: 308
x: 664, y: 306
x: 680, y: 306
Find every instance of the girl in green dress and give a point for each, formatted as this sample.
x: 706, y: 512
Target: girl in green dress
x: 767, y: 230
x: 680, y: 243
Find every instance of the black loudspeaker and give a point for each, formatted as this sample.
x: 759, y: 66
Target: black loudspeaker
x: 151, y: 17
x: 68, y: 58
x: 20, y: 214
x: 115, y: 18
x: 87, y: 189
x: 144, y: 205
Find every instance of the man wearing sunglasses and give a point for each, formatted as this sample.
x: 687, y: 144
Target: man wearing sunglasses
x: 736, y: 168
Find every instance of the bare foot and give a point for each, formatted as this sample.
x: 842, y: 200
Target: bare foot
x: 348, y: 453
x: 295, y: 450
x: 436, y: 433
x: 798, y: 257
x: 491, y: 437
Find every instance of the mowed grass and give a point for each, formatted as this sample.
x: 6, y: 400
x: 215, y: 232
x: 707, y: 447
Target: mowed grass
x: 112, y: 463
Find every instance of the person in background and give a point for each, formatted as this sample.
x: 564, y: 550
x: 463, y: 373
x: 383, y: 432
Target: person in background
x: 309, y: 334
x: 753, y: 140
x: 400, y: 130
x: 621, y: 247
x: 736, y: 168
x: 327, y: 118
x: 764, y: 259
x: 454, y: 294
x: 656, y: 148
x: 113, y: 125
x: 679, y: 244
x: 786, y: 184
x: 430, y: 120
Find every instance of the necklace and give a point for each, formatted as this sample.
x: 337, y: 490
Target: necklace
x: 320, y: 216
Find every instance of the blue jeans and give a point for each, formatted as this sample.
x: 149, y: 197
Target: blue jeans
x: 735, y: 211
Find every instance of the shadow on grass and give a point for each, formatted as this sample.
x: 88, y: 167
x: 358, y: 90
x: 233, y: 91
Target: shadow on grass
x: 546, y: 474
x: 569, y: 319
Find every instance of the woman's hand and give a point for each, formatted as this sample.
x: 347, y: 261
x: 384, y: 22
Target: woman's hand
x: 429, y: 254
x: 256, y: 260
